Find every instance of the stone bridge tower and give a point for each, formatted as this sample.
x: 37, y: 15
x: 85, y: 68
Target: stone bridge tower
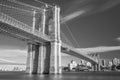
x: 46, y: 57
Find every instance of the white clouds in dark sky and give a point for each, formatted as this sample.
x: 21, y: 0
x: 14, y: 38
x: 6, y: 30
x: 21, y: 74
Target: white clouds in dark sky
x: 100, y: 49
x: 79, y: 7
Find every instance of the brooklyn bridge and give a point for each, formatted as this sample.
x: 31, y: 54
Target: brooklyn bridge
x: 40, y: 27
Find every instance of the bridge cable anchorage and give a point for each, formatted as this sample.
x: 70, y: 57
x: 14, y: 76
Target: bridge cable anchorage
x: 76, y: 42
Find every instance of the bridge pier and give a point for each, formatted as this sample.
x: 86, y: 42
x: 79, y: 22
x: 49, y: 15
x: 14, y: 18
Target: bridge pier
x: 32, y: 58
x: 38, y: 58
x: 96, y: 67
x: 44, y: 58
x: 55, y: 58
x: 42, y: 50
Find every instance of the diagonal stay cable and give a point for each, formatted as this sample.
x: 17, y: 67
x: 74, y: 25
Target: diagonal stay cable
x: 72, y: 35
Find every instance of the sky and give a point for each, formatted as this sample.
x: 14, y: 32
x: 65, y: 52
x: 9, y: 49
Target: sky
x: 93, y: 23
x: 98, y: 29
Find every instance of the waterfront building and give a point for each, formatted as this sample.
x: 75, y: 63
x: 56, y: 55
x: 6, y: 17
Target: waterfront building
x: 73, y: 64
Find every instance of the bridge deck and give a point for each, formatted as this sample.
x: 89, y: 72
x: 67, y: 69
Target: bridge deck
x: 21, y: 30
x: 71, y: 51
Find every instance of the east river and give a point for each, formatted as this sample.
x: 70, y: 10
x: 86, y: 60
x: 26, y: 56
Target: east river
x: 64, y: 76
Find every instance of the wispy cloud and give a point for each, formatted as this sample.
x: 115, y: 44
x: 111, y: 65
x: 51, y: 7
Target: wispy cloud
x: 100, y: 49
x: 13, y: 56
x: 72, y: 16
x: 12, y: 53
x: 118, y: 39
x: 6, y: 60
x: 86, y: 7
x: 109, y: 4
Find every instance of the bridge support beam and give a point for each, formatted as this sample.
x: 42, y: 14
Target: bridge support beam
x: 38, y: 58
x: 96, y: 67
x: 32, y: 58
x: 55, y: 58
x: 46, y: 57
x: 41, y: 55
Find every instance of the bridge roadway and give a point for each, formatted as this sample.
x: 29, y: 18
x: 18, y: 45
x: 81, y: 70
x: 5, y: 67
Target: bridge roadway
x: 15, y: 28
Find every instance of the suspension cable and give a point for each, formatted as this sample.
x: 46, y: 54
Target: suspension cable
x: 72, y: 35
x: 24, y: 4
x: 66, y: 39
x: 16, y: 8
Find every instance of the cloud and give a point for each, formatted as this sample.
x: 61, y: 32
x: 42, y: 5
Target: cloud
x: 13, y: 56
x: 87, y: 7
x: 5, y: 60
x: 118, y: 39
x: 109, y: 4
x: 72, y: 16
x: 12, y: 53
x: 100, y: 49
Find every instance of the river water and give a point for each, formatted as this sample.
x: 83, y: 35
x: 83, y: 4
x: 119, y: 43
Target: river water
x: 64, y: 76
